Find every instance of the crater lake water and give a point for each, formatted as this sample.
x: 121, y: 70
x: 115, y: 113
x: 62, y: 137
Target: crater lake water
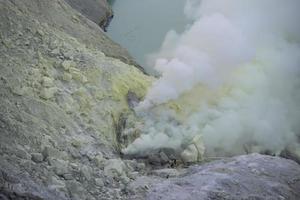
x: 141, y: 25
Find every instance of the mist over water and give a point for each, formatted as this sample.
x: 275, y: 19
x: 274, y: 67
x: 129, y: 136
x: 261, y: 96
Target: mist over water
x: 141, y: 25
x: 233, y: 76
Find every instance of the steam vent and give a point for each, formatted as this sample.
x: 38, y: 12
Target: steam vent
x: 149, y: 100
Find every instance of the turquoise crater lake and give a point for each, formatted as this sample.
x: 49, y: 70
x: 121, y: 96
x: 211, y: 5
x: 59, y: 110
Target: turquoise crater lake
x: 141, y: 25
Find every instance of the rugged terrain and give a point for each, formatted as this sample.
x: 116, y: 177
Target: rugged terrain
x: 65, y: 90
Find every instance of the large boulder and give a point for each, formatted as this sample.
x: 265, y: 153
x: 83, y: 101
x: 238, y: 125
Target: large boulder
x: 245, y: 177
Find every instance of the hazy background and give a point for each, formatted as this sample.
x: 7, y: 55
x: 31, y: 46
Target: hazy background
x: 141, y: 25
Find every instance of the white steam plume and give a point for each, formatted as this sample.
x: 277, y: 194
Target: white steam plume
x: 247, y: 55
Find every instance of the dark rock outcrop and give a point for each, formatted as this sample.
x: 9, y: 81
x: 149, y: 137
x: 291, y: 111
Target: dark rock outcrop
x: 96, y: 10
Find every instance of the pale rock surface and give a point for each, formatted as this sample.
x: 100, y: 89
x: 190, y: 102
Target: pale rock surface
x: 244, y: 177
x: 114, y: 168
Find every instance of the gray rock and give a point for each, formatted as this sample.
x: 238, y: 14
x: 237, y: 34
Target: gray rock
x: 99, y: 160
x: 245, y: 177
x: 37, y: 157
x: 96, y: 10
x: 68, y: 176
x: 114, y: 168
x: 21, y: 153
x: 17, y: 185
x: 67, y: 64
x: 76, y: 190
x: 60, y: 167
x: 51, y: 152
x: 86, y: 172
x: 99, y: 182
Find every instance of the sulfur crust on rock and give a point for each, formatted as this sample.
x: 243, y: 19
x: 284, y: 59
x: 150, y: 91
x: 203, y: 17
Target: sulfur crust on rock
x: 60, y: 90
x: 131, y: 80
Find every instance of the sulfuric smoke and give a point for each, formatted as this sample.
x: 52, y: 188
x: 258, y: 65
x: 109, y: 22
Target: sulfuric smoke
x: 233, y: 77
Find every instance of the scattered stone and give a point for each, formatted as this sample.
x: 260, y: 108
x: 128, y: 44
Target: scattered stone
x: 37, y: 157
x: 74, y: 153
x: 124, y: 179
x: 77, y: 75
x: 60, y: 166
x: 114, y: 167
x: 67, y: 76
x: 76, y: 191
x: 131, y: 164
x: 76, y: 143
x: 86, y: 171
x: 55, y: 52
x: 69, y: 54
x: 21, y: 153
x: 68, y: 176
x: 162, y: 157
x: 99, y: 182
x: 56, y: 184
x: 133, y: 175
x: 50, y: 152
x: 19, y: 90
x: 40, y: 32
x: 67, y: 64
x: 47, y: 82
x: 141, y: 166
x: 48, y: 93
x: 99, y: 160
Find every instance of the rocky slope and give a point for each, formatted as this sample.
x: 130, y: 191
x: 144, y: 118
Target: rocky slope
x: 63, y: 88
x: 66, y: 93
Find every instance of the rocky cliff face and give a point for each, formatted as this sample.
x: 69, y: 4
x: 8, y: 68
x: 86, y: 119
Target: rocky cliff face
x: 63, y: 87
x: 97, y: 11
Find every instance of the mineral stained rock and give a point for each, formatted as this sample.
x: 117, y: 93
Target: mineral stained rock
x: 62, y: 87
